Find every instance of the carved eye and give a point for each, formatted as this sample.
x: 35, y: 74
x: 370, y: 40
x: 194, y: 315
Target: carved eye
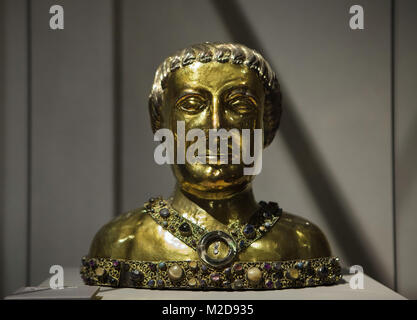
x: 191, y: 103
x: 242, y: 103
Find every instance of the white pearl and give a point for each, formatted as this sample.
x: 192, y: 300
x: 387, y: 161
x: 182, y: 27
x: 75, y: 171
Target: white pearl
x: 175, y: 272
x: 254, y: 275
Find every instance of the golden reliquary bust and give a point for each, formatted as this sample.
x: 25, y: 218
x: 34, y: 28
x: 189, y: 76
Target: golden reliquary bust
x: 212, y: 233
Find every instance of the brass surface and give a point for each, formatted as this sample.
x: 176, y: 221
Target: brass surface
x: 210, y: 95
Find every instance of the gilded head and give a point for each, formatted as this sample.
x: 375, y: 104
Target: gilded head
x: 215, y: 86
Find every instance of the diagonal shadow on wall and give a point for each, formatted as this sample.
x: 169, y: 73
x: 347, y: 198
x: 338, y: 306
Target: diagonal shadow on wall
x: 318, y: 179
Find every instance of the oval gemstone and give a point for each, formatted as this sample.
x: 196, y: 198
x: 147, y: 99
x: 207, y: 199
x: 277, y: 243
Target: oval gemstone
x: 193, y: 265
x: 99, y: 271
x: 175, y: 272
x: 254, y: 275
x: 323, y: 271
x: 137, y: 275
x: 164, y: 213
x: 151, y: 283
x: 269, y: 284
x: 278, y: 284
x: 276, y: 266
x: 215, y: 277
x: 192, y: 282
x: 237, y: 284
x: 293, y: 274
x: 228, y: 271
x: 185, y: 228
x: 249, y: 230
x: 237, y: 267
x: 267, y: 214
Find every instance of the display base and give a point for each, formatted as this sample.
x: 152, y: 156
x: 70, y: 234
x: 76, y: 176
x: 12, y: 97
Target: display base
x: 373, y: 290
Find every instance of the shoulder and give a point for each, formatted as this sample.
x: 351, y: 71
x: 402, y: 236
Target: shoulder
x: 116, y: 237
x: 309, y: 241
x: 291, y: 238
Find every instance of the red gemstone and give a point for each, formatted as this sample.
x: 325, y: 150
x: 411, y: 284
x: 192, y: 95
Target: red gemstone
x: 237, y: 267
x: 215, y: 277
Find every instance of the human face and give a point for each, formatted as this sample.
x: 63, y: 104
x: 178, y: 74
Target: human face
x: 213, y: 96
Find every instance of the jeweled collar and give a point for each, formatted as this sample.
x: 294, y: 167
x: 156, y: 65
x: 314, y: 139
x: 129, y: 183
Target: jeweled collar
x: 210, y: 272
x: 238, y: 238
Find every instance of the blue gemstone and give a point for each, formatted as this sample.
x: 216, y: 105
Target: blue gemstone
x: 162, y: 266
x: 276, y: 266
x: 278, y: 284
x: 249, y: 229
x: 242, y: 244
x: 267, y: 214
x: 164, y: 213
x: 151, y: 283
x: 323, y: 272
x: 160, y: 283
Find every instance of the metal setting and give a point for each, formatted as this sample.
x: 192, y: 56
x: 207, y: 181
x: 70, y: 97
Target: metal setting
x: 194, y: 275
x: 208, y: 239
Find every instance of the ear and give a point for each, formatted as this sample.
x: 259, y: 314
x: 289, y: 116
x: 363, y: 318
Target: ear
x: 272, y: 116
x: 154, y: 106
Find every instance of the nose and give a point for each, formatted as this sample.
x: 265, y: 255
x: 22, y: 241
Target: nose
x: 215, y: 113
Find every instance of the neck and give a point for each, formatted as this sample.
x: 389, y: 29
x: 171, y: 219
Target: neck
x: 239, y: 206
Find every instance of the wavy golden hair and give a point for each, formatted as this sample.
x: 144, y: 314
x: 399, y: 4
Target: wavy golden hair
x: 223, y: 53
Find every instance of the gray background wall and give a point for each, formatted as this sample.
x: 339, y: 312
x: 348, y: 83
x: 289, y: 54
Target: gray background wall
x: 77, y: 147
